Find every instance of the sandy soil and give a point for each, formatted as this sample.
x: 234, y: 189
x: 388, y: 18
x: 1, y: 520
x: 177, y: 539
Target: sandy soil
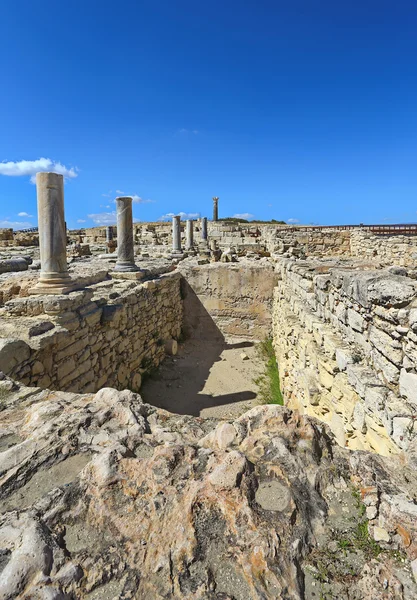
x: 206, y: 379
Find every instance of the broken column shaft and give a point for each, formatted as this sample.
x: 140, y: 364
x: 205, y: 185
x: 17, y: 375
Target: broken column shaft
x: 215, y: 208
x: 54, y: 277
x: 204, y: 228
x: 125, y: 250
x: 189, y: 235
x: 176, y: 234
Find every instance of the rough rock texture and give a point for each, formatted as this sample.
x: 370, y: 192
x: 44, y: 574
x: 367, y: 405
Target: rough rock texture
x: 106, y: 497
x: 346, y: 346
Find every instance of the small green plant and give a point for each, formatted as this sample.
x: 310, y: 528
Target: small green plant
x: 344, y: 544
x: 268, y: 383
x: 361, y: 538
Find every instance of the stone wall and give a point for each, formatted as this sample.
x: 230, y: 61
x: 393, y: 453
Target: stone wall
x: 234, y: 300
x: 107, y: 335
x: 387, y: 249
x: 6, y: 237
x: 306, y: 242
x: 346, y: 344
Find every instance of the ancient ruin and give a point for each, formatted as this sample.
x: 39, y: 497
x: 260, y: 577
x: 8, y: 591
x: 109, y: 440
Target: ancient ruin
x: 138, y: 457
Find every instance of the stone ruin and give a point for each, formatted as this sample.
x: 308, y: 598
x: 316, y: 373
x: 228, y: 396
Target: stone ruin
x: 105, y: 496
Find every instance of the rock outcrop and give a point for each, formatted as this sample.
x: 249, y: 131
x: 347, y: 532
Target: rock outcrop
x: 103, y: 496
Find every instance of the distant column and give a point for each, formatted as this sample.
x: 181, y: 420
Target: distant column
x: 109, y: 233
x: 204, y: 228
x: 125, y: 250
x: 215, y: 208
x: 54, y: 277
x: 190, y: 235
x: 176, y: 234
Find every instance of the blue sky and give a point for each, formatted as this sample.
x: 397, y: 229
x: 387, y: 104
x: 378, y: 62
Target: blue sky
x: 301, y: 110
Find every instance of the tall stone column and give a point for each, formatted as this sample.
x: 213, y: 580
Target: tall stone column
x: 204, y: 228
x: 125, y: 250
x: 215, y: 208
x: 54, y: 277
x: 176, y: 234
x: 190, y: 235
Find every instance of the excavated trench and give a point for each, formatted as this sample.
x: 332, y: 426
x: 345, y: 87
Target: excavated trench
x: 227, y: 310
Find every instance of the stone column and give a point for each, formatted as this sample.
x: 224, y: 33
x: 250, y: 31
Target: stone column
x: 215, y: 208
x: 109, y: 233
x: 190, y: 235
x: 125, y: 251
x: 204, y: 228
x: 54, y: 277
x: 176, y: 234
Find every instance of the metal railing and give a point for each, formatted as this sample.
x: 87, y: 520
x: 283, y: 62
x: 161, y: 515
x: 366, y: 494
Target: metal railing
x: 396, y: 229
x: 30, y: 230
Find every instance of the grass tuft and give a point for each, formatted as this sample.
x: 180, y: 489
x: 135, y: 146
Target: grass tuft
x: 268, y: 383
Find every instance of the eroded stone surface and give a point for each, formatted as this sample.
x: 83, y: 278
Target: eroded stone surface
x: 169, y: 506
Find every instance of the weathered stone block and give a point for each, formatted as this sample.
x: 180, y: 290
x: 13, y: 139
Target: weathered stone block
x: 12, y: 353
x: 408, y: 386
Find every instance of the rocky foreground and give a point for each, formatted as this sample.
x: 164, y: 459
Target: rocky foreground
x: 105, y: 497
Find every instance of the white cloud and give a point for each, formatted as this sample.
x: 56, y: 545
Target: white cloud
x: 293, y: 221
x: 24, y: 168
x: 166, y: 217
x: 81, y: 221
x: 183, y: 216
x: 245, y: 216
x: 138, y: 200
x: 119, y: 192
x: 105, y: 218
x: 24, y: 214
x: 185, y: 131
x: 6, y: 224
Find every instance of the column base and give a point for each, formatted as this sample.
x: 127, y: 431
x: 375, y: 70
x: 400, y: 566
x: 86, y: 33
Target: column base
x: 177, y: 255
x: 126, y: 268
x: 43, y: 288
x: 129, y: 275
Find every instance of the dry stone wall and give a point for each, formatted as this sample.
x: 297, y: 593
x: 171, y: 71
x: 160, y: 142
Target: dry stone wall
x: 306, y: 242
x: 346, y: 343
x: 234, y: 300
x: 107, y: 335
x: 388, y: 249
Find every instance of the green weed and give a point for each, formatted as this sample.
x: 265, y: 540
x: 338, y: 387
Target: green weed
x: 268, y: 383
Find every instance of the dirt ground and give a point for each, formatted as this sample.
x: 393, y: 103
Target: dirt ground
x: 206, y: 379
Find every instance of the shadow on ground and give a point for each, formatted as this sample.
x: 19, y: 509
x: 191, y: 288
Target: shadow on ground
x: 208, y: 377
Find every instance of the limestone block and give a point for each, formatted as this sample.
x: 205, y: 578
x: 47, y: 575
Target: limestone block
x: 387, y: 369
x: 358, y: 417
x: 355, y: 320
x: 401, y: 431
x: 375, y: 398
x: 37, y: 368
x: 384, y: 343
x: 343, y: 357
x: 408, y: 386
x: 12, y: 353
x: 360, y: 377
x: 66, y: 367
x: 311, y: 386
x: 392, y: 291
